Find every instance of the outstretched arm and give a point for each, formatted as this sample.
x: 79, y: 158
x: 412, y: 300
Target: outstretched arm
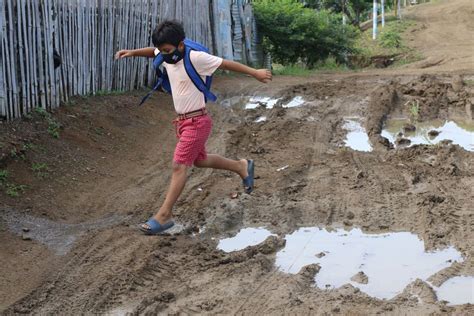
x: 263, y: 75
x: 141, y: 52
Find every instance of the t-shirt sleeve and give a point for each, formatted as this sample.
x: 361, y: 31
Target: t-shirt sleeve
x: 205, y: 63
x: 157, y: 51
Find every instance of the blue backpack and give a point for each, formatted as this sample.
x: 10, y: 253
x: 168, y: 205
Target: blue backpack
x: 164, y: 81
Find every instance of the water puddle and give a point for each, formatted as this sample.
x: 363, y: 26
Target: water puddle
x: 430, y: 133
x: 269, y: 103
x: 356, y: 138
x: 381, y: 265
x: 297, y: 101
x: 255, y: 102
x: 58, y: 236
x: 244, y: 238
x: 456, y: 291
x: 389, y: 261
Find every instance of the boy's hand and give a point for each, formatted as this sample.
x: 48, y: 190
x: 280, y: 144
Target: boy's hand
x: 123, y: 53
x: 263, y: 75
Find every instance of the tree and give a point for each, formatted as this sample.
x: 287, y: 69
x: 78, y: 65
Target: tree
x: 352, y: 8
x: 294, y: 33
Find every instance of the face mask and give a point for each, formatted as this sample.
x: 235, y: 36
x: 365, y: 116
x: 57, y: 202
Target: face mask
x: 174, y: 57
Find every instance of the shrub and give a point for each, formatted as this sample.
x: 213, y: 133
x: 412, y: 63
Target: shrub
x: 293, y: 33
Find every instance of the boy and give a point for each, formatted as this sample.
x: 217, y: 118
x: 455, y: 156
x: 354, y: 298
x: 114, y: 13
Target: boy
x: 193, y: 124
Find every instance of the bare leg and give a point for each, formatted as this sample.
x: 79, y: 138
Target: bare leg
x: 178, y: 180
x: 219, y: 162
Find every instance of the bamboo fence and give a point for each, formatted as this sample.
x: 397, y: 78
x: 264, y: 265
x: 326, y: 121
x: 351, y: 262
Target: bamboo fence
x: 87, y: 33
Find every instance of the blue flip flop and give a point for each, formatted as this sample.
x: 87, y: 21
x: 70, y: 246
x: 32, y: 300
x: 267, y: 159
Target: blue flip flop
x: 155, y: 227
x: 248, y: 181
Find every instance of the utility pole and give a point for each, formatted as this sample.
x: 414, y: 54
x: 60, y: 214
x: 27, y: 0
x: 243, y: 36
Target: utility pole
x: 374, y: 21
x: 382, y: 7
x: 399, y: 6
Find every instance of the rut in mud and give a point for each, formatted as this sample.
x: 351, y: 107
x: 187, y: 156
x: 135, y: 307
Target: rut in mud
x: 306, y: 177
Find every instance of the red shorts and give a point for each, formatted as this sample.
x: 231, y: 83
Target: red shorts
x: 192, y: 136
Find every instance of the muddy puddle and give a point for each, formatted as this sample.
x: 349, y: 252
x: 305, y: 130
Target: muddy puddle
x: 356, y: 138
x: 251, y: 103
x: 60, y: 237
x: 457, y: 290
x: 244, y: 238
x: 381, y: 265
x: 429, y: 133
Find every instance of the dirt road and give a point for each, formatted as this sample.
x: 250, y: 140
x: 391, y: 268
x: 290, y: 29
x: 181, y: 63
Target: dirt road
x: 110, y: 167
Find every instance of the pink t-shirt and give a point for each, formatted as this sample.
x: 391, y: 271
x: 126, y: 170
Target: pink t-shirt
x: 186, y: 97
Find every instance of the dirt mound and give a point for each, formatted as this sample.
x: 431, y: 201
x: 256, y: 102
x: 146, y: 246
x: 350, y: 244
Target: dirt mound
x: 443, y: 35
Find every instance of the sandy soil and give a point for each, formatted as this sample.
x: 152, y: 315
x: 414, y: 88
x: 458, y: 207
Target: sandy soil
x: 113, y: 159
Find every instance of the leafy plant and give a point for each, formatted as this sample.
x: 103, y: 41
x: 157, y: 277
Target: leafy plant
x: 293, y: 33
x: 40, y: 169
x: 390, y: 39
x: 3, y: 176
x: 53, y: 125
x: 14, y: 190
x: 414, y: 108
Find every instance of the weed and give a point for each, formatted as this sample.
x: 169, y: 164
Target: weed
x: 3, y: 176
x: 414, y: 108
x: 40, y: 169
x: 28, y: 146
x: 328, y: 64
x: 53, y: 125
x: 469, y: 82
x: 13, y: 153
x: 390, y: 39
x: 14, y: 190
x: 53, y: 128
x: 99, y: 131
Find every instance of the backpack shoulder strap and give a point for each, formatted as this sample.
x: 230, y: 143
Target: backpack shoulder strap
x: 163, y: 80
x: 202, y: 86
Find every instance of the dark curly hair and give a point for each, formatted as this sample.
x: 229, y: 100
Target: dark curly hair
x: 168, y: 32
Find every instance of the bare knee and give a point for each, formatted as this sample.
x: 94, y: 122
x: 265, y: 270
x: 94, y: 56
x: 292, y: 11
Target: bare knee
x: 178, y: 168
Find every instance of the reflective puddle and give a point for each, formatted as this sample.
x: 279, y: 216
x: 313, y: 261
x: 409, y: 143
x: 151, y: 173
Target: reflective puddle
x: 255, y: 102
x: 244, y: 238
x: 457, y: 290
x: 269, y: 103
x: 430, y: 133
x: 356, y: 138
x: 390, y: 261
x: 381, y: 265
x: 58, y: 236
x: 297, y: 101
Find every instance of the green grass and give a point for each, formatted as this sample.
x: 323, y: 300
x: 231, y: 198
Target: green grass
x: 3, y: 176
x: 390, y: 41
x: 469, y: 82
x: 28, y: 146
x: 14, y: 190
x: 328, y: 65
x: 414, y: 109
x: 40, y: 169
x: 53, y: 125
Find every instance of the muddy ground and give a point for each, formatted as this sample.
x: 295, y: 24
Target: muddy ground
x: 109, y: 169
x: 423, y: 189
